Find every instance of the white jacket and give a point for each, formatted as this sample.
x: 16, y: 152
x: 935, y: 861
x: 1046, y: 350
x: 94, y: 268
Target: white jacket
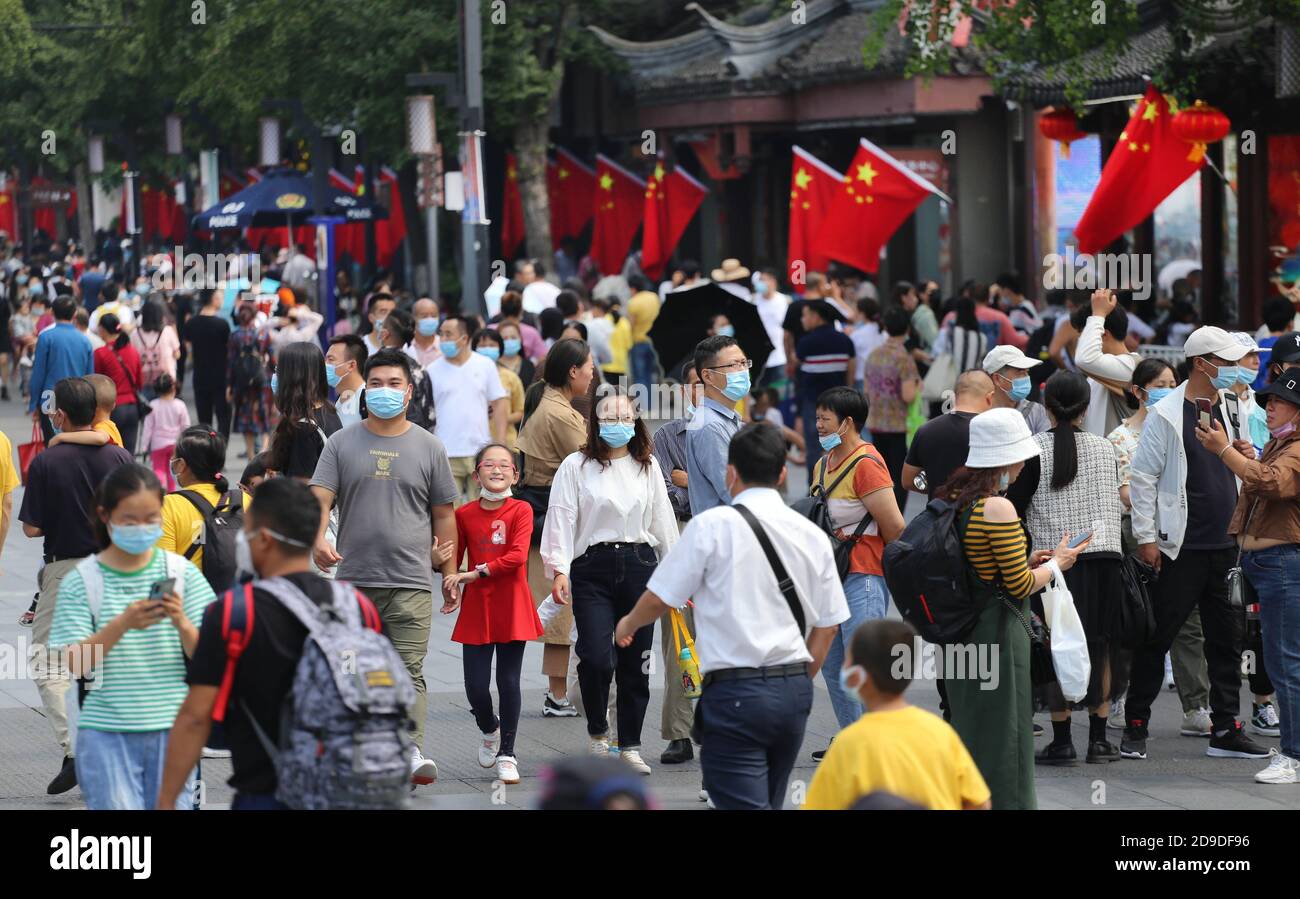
x: 1091, y: 360
x: 1158, y: 477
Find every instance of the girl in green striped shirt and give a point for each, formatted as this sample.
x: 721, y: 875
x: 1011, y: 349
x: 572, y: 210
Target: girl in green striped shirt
x: 131, y: 650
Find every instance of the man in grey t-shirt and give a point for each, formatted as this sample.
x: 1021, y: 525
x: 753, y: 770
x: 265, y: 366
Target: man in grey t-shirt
x: 394, y: 490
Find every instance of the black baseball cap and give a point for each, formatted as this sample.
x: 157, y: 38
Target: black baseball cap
x: 1286, y: 350
x: 1286, y: 386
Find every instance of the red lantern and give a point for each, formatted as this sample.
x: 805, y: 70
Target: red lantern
x: 1200, y: 125
x: 1061, y: 125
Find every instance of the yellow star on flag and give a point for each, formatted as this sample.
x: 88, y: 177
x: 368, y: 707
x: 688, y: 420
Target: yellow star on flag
x: 606, y: 182
x: 511, y: 174
x: 802, y: 179
x: 564, y: 173
x: 1151, y: 113
x: 1132, y: 145
x: 807, y: 205
x: 859, y: 199
x: 659, y: 172
x: 866, y: 173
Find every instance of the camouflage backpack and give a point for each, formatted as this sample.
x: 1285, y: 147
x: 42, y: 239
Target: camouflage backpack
x: 343, y: 727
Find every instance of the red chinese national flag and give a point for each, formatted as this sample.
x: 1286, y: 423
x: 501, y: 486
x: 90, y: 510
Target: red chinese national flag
x: 390, y: 232
x: 1148, y: 162
x: 349, y: 238
x: 812, y: 190
x: 571, y: 189
x: 671, y: 200
x: 619, y: 203
x: 876, y: 196
x: 8, y: 211
x: 512, y: 211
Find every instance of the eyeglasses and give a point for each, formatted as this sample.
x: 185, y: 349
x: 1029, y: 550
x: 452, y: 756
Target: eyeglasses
x: 742, y: 365
x: 496, y: 466
x: 630, y: 420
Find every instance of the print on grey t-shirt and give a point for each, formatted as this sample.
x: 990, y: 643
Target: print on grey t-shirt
x: 385, y: 488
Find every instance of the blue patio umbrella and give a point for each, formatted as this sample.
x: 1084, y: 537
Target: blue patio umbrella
x: 280, y: 197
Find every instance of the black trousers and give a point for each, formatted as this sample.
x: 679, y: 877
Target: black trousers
x: 127, y: 419
x: 209, y: 398
x: 1197, y: 578
x: 607, y: 581
x: 477, y: 660
x: 893, y: 449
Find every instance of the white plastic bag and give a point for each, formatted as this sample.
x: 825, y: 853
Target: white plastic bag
x: 1069, y: 643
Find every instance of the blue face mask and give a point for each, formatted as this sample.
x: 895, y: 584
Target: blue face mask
x: 830, y: 441
x: 760, y: 288
x: 36, y: 289
x: 737, y: 385
x: 1020, y: 388
x: 846, y: 678
x: 450, y: 348
x: 727, y: 330
x: 617, y: 434
x: 275, y: 383
x: 1004, y: 480
x: 134, y: 538
x: 385, y: 402
x: 21, y: 279
x: 332, y: 376
x: 490, y: 351
x: 427, y: 327
x: 513, y: 347
x: 1226, y: 377
x: 1247, y: 375
x: 1156, y: 394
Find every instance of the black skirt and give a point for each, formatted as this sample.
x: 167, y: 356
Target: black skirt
x: 1098, y: 589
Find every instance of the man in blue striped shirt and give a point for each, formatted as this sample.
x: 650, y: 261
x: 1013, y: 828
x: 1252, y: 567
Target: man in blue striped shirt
x: 825, y: 361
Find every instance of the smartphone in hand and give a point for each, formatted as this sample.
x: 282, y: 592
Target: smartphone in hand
x: 1204, y: 411
x: 159, y: 590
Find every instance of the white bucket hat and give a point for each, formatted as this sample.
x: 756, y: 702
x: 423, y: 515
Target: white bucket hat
x: 1000, y: 437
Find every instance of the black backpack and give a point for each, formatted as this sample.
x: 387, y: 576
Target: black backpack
x: 927, y: 574
x: 814, y: 508
x: 248, y: 370
x: 217, y: 538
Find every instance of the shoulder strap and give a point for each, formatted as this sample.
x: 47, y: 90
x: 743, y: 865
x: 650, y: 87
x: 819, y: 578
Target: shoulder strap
x: 843, y: 474
x: 93, y: 580
x: 236, y: 628
x: 135, y: 388
x: 778, y: 567
x: 205, y: 509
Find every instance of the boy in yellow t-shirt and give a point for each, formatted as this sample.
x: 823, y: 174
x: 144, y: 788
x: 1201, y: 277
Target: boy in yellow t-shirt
x: 894, y: 747
x: 105, y: 402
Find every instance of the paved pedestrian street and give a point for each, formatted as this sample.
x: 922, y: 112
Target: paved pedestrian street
x: 1176, y: 774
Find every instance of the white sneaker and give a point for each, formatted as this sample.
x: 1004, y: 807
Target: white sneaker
x: 598, y: 745
x: 704, y: 795
x: 487, y: 753
x: 1115, y: 721
x: 1281, y: 769
x: 423, y: 771
x: 633, y: 758
x: 1196, y: 723
x: 507, y: 769
x: 215, y: 753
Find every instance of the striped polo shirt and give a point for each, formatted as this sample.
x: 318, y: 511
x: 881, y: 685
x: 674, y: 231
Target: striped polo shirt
x: 141, y: 683
x: 824, y: 359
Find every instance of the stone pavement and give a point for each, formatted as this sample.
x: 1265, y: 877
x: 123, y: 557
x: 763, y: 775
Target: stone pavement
x: 1177, y: 774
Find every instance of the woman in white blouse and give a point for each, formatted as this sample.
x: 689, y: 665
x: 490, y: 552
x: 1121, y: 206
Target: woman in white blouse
x: 608, y: 525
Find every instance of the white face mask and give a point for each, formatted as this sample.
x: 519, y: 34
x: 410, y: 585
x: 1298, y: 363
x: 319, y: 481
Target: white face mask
x: 492, y: 496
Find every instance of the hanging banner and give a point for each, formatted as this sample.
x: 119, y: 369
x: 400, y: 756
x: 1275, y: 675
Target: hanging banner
x: 471, y: 166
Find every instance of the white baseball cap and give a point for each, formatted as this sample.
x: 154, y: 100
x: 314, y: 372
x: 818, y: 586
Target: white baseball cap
x: 1212, y: 341
x: 1000, y: 437
x: 1000, y: 357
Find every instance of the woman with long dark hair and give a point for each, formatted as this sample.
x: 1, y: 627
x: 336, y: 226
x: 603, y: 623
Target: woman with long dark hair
x: 307, y: 417
x: 608, y: 524
x: 1072, y: 487
x: 995, y: 717
x: 247, y: 381
x: 118, y: 360
x: 132, y: 641
x: 157, y: 344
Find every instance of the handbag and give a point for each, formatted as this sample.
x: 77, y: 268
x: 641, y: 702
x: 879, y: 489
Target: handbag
x: 1136, y: 612
x: 1040, y: 650
x: 29, y: 451
x: 688, y: 663
x: 1236, y: 580
x: 141, y: 407
x: 1068, y: 640
x: 940, y: 379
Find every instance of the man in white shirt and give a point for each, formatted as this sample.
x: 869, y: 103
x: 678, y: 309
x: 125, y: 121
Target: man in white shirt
x: 538, y: 293
x: 757, y: 659
x: 1102, y: 355
x: 772, y: 305
x: 380, y: 305
x: 468, y: 395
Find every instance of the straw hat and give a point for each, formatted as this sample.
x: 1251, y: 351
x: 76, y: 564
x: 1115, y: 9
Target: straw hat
x: 1000, y: 437
x: 731, y: 270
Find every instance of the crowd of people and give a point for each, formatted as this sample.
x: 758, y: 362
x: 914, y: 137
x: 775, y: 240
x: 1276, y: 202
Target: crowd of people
x: 502, y: 469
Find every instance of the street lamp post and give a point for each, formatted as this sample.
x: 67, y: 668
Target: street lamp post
x: 473, y: 230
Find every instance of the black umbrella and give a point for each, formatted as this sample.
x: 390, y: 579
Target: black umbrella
x: 686, y: 316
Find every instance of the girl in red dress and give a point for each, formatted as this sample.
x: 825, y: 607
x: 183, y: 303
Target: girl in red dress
x: 496, y: 606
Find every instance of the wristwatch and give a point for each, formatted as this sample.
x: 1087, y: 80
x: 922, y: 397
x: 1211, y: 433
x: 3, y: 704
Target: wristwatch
x: 481, y: 570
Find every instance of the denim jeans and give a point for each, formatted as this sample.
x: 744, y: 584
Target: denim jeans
x: 1275, y: 575
x: 257, y: 802
x: 123, y: 771
x: 642, y: 359
x: 868, y: 598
